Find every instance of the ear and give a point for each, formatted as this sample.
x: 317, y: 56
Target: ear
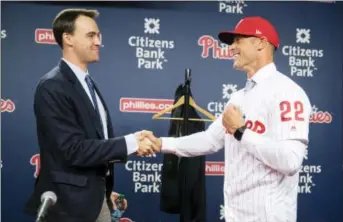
x: 67, y: 38
x: 262, y: 43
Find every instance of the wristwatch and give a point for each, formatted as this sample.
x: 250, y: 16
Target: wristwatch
x: 239, y: 133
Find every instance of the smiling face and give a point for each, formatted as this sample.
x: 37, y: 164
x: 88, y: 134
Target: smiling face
x: 85, y: 40
x: 245, y: 52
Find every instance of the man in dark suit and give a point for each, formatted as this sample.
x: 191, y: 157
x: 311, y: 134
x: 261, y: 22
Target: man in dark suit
x: 75, y: 134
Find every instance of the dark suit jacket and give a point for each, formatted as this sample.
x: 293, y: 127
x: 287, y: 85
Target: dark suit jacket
x: 74, y: 156
x: 183, y: 188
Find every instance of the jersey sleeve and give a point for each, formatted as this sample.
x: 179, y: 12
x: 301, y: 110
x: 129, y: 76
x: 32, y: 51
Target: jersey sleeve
x: 290, y: 115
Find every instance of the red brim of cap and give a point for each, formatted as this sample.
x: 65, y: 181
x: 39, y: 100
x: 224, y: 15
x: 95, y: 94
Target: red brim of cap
x: 228, y: 36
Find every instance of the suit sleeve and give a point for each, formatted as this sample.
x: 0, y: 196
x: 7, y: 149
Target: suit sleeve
x: 284, y: 147
x: 59, y: 124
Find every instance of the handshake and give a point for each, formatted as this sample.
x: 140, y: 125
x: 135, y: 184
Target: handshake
x: 147, y: 143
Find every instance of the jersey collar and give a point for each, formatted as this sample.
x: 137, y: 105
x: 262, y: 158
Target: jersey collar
x: 264, y: 73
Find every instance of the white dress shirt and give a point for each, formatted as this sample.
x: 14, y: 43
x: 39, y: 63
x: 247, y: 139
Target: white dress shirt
x: 130, y: 139
x: 262, y: 170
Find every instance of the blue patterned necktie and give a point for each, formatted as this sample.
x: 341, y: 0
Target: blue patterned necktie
x: 90, y: 85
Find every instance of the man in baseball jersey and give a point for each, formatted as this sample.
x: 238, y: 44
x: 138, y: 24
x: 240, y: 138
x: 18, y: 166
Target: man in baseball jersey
x: 264, y: 130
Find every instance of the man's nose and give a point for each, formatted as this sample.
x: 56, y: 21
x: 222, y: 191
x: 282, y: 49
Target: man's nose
x: 97, y: 41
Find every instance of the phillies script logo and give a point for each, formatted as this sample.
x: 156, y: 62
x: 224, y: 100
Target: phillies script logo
x: 255, y: 126
x: 320, y: 116
x: 35, y: 161
x: 211, y: 46
x: 214, y: 168
x: 7, y: 105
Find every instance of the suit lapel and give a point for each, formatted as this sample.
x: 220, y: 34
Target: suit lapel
x: 69, y: 74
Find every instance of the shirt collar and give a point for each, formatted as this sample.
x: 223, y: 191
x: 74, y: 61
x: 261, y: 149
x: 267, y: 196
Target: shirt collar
x: 80, y: 74
x: 264, y: 73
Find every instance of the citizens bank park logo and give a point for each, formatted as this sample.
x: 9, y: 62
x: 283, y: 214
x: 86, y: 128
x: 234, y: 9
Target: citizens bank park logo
x: 212, y: 48
x: 221, y: 212
x: 3, y: 34
x: 46, y: 36
x: 232, y: 6
x: 217, y: 107
x: 150, y: 52
x: 7, y: 105
x: 144, y: 105
x: 214, y: 168
x: 302, y: 58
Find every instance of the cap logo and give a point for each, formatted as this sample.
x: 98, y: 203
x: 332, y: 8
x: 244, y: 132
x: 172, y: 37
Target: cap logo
x: 258, y: 32
x: 239, y: 23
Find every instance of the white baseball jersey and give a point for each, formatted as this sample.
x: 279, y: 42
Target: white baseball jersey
x: 261, y: 170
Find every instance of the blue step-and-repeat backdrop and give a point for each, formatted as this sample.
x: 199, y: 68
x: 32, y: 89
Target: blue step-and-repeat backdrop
x: 142, y: 62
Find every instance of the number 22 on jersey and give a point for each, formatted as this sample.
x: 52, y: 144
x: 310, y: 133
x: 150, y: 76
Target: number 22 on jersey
x: 291, y: 111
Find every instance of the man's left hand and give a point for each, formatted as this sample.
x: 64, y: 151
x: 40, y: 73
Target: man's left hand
x: 114, y: 197
x: 232, y: 118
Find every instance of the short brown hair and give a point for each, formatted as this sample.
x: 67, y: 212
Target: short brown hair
x: 64, y: 22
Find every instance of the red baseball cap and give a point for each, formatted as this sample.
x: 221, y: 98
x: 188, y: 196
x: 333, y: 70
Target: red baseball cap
x: 252, y: 26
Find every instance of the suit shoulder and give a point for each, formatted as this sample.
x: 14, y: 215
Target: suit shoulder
x: 53, y: 74
x: 51, y: 87
x: 52, y: 78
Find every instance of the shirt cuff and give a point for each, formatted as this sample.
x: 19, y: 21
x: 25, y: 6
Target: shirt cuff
x: 168, y: 145
x: 131, y: 144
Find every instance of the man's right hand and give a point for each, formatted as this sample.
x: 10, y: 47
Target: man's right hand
x: 147, y: 143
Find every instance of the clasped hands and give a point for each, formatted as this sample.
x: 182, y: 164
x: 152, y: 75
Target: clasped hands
x: 147, y: 143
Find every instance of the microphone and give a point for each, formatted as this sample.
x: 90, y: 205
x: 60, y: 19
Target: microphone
x: 48, y: 199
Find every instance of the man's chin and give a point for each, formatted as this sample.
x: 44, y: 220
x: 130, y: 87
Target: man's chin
x: 94, y: 60
x: 237, y: 67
